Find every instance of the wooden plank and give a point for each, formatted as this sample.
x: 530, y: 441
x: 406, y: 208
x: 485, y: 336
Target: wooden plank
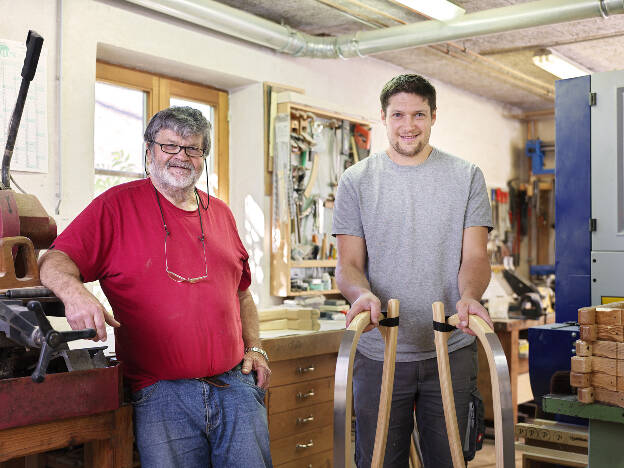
x: 609, y: 316
x: 620, y: 368
x: 18, y: 442
x: 620, y: 351
x: 588, y: 333
x: 604, y: 348
x: 603, y: 364
x: 610, y: 332
x: 585, y: 395
x: 620, y: 384
x: 599, y: 379
x: 607, y: 396
x: 580, y: 380
x: 288, y: 324
x: 586, y: 316
x: 583, y: 348
x: 390, y: 336
x: 581, y: 364
x: 286, y: 313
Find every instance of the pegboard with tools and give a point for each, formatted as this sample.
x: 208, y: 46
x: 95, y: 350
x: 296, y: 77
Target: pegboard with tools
x: 311, y: 149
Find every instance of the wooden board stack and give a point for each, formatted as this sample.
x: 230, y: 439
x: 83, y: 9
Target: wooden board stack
x: 597, y: 370
x: 282, y: 318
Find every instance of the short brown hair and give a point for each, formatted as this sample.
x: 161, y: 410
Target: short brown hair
x: 408, y: 83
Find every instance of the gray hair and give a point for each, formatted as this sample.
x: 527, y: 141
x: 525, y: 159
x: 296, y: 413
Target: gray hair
x: 183, y: 120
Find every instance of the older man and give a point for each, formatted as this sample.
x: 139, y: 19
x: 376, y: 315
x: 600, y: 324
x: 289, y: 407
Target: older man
x: 176, y: 274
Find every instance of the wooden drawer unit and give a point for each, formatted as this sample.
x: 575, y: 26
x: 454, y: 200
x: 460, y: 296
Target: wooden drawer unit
x: 319, y: 460
x: 300, y: 446
x: 301, y: 420
x: 300, y: 400
x: 288, y: 397
x: 298, y: 370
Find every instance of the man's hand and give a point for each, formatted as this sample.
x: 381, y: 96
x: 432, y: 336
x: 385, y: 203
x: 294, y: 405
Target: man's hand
x: 366, y: 301
x: 465, y: 308
x: 255, y: 361
x: 83, y: 310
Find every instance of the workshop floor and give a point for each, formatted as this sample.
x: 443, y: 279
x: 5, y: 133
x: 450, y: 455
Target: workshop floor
x: 486, y: 457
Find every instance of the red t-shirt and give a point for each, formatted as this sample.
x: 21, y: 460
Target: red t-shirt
x: 168, y: 330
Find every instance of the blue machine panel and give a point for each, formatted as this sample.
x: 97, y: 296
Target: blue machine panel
x: 572, y: 196
x: 550, y: 349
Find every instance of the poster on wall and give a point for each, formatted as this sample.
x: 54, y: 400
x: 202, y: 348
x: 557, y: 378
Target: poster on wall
x: 31, y: 147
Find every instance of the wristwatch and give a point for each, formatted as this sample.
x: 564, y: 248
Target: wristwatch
x: 259, y: 351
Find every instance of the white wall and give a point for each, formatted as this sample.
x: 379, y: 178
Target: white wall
x: 467, y: 126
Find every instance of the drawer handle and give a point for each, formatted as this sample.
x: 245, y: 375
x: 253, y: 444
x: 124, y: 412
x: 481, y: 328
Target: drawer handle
x: 305, y: 370
x: 303, y: 396
x: 305, y: 446
x: 305, y: 420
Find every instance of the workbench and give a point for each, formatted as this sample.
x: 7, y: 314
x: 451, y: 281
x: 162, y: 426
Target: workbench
x: 107, y: 439
x: 508, y: 332
x: 606, y: 427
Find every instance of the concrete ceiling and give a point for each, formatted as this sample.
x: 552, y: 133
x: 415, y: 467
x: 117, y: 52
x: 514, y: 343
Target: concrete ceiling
x: 497, y: 66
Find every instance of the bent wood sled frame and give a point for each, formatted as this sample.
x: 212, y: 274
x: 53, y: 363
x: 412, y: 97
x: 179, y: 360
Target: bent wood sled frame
x: 501, y: 388
x: 343, y: 386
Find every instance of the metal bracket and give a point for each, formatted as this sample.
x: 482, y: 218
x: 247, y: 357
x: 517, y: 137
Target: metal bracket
x: 592, y: 99
x: 593, y: 222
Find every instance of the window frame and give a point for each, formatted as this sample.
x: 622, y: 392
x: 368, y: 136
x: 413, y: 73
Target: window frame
x: 159, y: 90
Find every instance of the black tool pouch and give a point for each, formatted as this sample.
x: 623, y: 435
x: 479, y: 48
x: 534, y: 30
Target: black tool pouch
x: 475, y: 429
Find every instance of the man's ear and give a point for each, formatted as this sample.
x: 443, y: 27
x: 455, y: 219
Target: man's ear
x: 383, y: 116
x: 433, y: 117
x: 148, y: 159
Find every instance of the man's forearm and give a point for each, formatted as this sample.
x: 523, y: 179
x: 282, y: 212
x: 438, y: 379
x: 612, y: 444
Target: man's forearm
x: 351, y: 281
x: 249, y: 319
x: 474, y: 277
x: 60, y: 274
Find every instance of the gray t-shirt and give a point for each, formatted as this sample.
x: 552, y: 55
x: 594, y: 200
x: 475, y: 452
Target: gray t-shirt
x: 413, y: 219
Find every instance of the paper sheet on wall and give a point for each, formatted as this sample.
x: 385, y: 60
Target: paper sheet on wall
x: 31, y: 147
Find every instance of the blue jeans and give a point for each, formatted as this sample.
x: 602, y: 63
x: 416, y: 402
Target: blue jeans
x: 416, y: 385
x: 190, y: 423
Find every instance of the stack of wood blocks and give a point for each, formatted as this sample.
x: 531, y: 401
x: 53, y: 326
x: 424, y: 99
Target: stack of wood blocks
x: 282, y: 318
x: 597, y: 370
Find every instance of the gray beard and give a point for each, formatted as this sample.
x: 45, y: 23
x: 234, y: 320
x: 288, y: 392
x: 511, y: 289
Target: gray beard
x: 163, y: 177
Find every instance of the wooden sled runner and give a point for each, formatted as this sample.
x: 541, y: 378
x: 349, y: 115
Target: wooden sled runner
x: 343, y: 386
x: 501, y: 389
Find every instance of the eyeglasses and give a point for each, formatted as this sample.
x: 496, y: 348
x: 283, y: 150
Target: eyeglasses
x: 182, y: 279
x: 191, y: 151
x: 174, y: 276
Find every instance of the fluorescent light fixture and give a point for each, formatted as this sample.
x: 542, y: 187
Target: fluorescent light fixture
x: 442, y: 10
x: 558, y: 65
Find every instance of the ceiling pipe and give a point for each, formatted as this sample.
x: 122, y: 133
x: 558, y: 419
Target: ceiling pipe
x: 237, y: 23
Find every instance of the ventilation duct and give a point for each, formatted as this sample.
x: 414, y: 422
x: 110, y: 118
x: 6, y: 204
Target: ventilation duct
x: 242, y: 25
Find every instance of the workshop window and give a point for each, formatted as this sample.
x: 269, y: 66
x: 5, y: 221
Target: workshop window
x: 126, y: 99
x: 120, y: 119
